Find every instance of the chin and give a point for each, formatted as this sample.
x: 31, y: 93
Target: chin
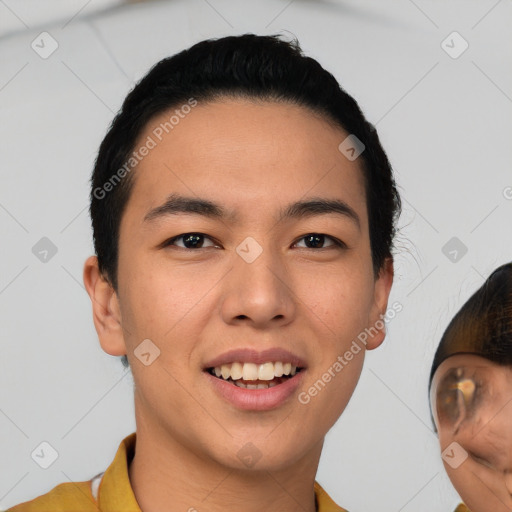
x: 261, y: 453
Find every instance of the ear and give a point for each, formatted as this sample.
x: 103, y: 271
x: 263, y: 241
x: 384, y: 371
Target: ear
x: 377, y: 327
x: 105, y: 309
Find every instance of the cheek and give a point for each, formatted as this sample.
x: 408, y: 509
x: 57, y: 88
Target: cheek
x: 342, y: 300
x: 155, y: 298
x: 160, y: 305
x: 325, y: 396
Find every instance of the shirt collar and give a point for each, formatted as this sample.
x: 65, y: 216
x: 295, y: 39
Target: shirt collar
x: 115, y: 492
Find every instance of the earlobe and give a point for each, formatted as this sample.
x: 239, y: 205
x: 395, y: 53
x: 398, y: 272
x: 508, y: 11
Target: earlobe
x: 105, y: 309
x: 383, y: 284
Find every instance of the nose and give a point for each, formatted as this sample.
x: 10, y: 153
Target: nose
x: 259, y: 291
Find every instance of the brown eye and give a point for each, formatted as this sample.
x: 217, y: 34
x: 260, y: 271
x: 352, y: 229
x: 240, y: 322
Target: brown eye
x: 315, y: 239
x: 190, y: 240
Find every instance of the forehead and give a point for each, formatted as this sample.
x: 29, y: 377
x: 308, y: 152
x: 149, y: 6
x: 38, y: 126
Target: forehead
x: 242, y: 152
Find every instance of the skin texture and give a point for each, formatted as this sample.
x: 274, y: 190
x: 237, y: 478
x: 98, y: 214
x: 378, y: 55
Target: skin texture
x: 480, y: 424
x: 252, y: 158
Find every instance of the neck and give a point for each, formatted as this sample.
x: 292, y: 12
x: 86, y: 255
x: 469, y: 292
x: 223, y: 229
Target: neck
x: 166, y: 475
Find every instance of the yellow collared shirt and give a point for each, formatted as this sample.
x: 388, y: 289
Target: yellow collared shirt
x: 115, y: 493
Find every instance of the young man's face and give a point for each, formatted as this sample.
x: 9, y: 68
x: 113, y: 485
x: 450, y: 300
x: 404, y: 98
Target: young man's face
x: 250, y: 288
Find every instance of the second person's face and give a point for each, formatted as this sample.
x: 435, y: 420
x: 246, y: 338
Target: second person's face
x: 472, y: 403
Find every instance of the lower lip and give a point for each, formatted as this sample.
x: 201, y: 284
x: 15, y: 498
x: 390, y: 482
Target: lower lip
x: 256, y: 399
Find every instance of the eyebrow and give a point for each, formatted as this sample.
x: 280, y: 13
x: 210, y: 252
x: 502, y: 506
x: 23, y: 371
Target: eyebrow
x: 315, y: 206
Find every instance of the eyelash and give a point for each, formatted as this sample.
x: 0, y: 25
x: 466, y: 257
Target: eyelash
x: 336, y: 243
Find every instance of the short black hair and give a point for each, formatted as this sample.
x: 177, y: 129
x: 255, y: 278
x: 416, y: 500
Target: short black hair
x: 249, y: 66
x: 483, y: 325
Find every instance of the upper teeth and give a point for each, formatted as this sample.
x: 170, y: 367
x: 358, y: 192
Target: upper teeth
x: 251, y: 371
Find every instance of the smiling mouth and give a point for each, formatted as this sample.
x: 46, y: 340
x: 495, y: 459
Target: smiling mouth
x: 255, y: 376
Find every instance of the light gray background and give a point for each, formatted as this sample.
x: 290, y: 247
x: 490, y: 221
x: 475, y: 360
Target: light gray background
x: 445, y: 124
